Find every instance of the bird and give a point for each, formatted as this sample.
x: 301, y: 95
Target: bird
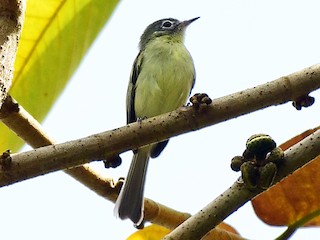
x: 161, y: 80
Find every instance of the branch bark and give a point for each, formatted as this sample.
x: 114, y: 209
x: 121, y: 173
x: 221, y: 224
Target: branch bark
x: 238, y: 194
x: 30, y: 130
x: 25, y: 126
x: 11, y: 21
x: 137, y: 134
x: 99, y: 146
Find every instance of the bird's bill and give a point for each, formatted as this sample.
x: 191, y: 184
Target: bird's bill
x: 188, y: 22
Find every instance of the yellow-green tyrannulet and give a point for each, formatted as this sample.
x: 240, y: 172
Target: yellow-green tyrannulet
x: 161, y: 80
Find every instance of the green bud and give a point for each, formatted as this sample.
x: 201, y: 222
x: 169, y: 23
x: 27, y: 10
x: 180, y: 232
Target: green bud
x: 276, y: 156
x: 260, y: 145
x: 249, y: 174
x: 267, y: 175
x: 236, y: 163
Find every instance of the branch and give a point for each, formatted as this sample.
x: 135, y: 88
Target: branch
x: 25, y: 126
x: 103, y: 145
x: 238, y: 194
x: 30, y: 130
x: 222, y: 109
x: 11, y: 21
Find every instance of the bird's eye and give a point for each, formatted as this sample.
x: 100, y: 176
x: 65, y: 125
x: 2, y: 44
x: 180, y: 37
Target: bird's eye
x: 167, y: 24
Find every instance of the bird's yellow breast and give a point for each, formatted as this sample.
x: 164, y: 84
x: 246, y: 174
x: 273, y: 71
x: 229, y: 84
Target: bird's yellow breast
x: 166, y: 77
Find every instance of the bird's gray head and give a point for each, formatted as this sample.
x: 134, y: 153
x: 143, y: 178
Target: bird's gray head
x: 167, y: 26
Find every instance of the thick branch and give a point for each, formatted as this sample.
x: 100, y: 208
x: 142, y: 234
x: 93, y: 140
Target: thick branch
x: 30, y: 130
x: 11, y: 21
x: 238, y: 194
x: 99, y: 146
x: 25, y: 126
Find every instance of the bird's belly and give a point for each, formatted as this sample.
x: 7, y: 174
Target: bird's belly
x: 165, y: 90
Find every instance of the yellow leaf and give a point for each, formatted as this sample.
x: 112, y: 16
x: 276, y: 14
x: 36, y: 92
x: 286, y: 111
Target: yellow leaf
x: 152, y: 232
x: 155, y: 232
x: 55, y: 37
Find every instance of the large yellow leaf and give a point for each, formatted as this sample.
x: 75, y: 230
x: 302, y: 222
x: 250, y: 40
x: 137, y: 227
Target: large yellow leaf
x: 296, y: 198
x: 55, y: 37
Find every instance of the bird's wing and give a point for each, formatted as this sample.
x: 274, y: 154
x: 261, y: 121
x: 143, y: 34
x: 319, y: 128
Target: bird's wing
x: 194, y: 79
x: 131, y: 115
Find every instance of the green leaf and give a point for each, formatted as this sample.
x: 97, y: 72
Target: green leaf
x: 55, y: 37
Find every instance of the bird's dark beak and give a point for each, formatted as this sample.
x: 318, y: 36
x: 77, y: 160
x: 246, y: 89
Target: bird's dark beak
x: 188, y: 22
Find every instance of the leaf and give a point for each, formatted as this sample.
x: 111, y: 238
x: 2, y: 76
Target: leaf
x: 222, y: 232
x: 227, y: 227
x: 152, y: 232
x: 296, y: 198
x: 155, y: 232
x: 298, y: 138
x: 55, y: 37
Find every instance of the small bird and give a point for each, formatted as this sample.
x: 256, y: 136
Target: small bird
x: 161, y: 80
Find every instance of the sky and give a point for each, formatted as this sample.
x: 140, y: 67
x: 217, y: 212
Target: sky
x: 236, y: 44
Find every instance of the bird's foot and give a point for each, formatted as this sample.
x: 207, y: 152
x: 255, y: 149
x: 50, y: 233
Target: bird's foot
x: 112, y: 162
x: 199, y: 99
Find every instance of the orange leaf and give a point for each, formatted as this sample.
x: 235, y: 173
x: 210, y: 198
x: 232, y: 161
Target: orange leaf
x: 222, y: 232
x: 227, y: 227
x: 296, y: 197
x: 297, y: 138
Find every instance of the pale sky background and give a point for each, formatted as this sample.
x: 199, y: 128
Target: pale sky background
x: 236, y: 44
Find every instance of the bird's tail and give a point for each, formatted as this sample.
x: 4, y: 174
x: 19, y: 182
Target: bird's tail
x: 130, y: 201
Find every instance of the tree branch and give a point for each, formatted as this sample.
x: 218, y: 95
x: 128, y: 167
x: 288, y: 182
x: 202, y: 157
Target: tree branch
x: 238, y: 194
x: 129, y: 137
x: 25, y: 126
x: 30, y: 130
x: 137, y: 134
x: 11, y: 21
x: 99, y: 146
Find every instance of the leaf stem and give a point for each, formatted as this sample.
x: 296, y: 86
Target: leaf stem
x: 292, y: 228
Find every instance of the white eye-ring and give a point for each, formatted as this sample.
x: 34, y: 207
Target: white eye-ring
x: 167, y: 24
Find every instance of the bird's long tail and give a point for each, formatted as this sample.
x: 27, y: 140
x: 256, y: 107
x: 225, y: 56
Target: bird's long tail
x: 130, y: 201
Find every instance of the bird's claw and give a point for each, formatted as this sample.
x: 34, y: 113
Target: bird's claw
x: 199, y: 99
x: 303, y: 101
x: 112, y: 162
